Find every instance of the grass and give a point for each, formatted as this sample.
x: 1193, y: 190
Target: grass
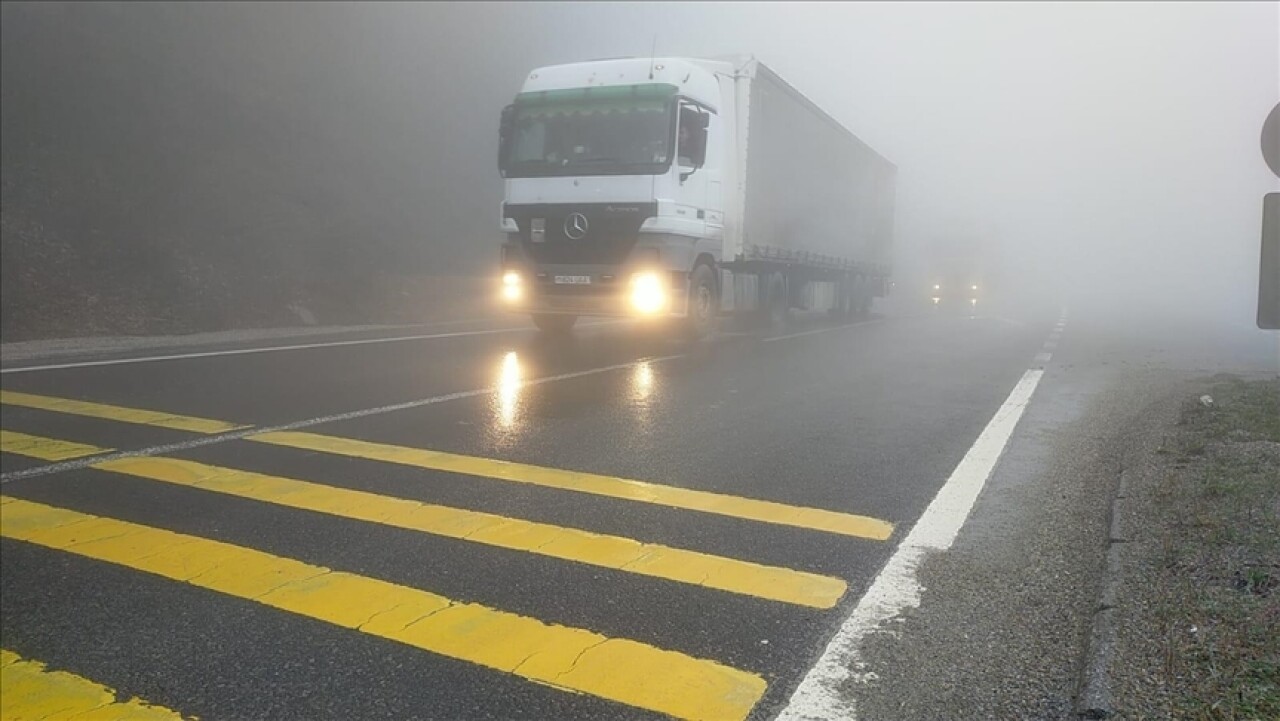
x: 1221, y: 582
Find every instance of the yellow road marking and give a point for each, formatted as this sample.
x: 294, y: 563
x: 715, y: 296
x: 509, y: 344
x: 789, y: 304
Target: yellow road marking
x: 46, y: 449
x: 30, y: 692
x: 737, y: 507
x: 116, y: 413
x: 570, y: 544
x: 573, y: 659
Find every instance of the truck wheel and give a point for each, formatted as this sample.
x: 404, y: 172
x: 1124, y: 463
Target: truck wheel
x: 704, y: 302
x: 552, y: 323
x: 777, y: 305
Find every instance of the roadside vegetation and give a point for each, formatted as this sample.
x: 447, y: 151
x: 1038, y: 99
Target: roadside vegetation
x: 1219, y: 605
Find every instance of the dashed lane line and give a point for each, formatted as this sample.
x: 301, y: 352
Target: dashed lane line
x: 821, y: 330
x: 567, y: 658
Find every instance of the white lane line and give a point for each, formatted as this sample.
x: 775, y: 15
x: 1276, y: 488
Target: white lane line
x: 1051, y: 344
x: 274, y: 349
x: 1009, y: 321
x: 349, y: 415
x: 1042, y: 357
x: 897, y: 587
x: 821, y: 330
x: 265, y: 349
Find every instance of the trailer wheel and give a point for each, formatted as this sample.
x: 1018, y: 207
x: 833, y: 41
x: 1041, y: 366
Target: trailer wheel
x: 553, y: 323
x: 777, y: 304
x: 704, y: 302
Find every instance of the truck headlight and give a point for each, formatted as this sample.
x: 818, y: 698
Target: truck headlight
x: 648, y: 295
x: 937, y: 287
x: 512, y: 286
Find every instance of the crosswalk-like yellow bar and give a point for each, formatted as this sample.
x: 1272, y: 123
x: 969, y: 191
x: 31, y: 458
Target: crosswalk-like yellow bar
x: 673, y: 496
x: 570, y: 544
x: 46, y: 449
x: 116, y: 413
x: 573, y: 659
x: 31, y: 692
x: 846, y: 524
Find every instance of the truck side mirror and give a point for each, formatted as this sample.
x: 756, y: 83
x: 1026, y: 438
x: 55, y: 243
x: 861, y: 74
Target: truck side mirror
x: 504, y: 135
x: 697, y: 150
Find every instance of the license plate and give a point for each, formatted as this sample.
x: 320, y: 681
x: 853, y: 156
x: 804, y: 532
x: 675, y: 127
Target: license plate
x: 573, y: 280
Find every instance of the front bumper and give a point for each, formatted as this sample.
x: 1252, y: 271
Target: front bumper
x: 607, y: 295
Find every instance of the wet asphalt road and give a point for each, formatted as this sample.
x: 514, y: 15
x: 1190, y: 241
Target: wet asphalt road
x: 866, y: 420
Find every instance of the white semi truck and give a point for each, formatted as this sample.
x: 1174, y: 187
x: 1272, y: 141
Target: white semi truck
x: 686, y: 188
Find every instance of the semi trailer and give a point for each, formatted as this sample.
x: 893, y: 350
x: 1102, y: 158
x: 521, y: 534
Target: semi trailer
x: 689, y: 189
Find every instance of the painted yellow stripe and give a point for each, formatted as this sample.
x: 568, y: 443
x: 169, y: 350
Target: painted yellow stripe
x: 574, y: 659
x: 116, y: 413
x: 570, y: 544
x: 737, y: 507
x: 46, y: 449
x: 30, y: 692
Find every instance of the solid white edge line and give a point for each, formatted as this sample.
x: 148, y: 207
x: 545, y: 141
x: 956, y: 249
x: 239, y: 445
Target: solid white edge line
x: 897, y: 586
x: 87, y: 461
x: 821, y: 330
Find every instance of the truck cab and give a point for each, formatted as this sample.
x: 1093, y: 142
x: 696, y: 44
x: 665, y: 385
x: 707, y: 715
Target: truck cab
x: 612, y: 172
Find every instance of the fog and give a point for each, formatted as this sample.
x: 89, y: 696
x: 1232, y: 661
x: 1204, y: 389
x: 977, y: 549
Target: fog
x: 1108, y: 154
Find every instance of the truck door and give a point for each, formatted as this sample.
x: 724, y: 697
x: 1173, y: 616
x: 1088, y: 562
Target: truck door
x: 691, y: 155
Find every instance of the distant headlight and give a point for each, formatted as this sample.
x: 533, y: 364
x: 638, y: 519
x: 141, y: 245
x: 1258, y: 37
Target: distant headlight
x: 973, y: 287
x: 648, y: 294
x: 937, y: 287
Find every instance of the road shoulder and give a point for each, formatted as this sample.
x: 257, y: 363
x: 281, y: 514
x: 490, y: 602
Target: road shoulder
x: 1005, y: 619
x: 1193, y: 586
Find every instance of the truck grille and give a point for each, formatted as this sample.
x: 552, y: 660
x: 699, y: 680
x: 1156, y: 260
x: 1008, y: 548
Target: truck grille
x: 611, y: 230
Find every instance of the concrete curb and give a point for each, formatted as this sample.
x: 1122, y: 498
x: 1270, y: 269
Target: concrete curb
x: 1094, y: 700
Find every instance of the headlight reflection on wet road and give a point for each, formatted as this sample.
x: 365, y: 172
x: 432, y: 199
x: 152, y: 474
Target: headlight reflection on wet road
x: 509, y: 384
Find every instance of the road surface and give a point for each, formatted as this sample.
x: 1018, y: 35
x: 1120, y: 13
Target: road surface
x: 476, y: 521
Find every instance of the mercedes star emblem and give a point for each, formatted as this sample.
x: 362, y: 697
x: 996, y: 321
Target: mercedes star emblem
x: 575, y: 226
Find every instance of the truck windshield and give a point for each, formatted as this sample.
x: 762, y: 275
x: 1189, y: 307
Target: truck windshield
x: 592, y: 131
